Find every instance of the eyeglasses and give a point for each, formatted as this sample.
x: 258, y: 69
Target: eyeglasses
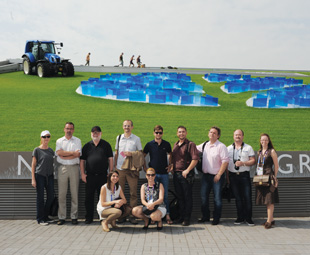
x: 158, y: 133
x: 150, y: 175
x: 45, y: 136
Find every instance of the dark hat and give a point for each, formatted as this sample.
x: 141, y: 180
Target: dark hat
x: 96, y: 128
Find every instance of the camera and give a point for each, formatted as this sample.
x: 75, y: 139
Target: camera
x: 236, y: 167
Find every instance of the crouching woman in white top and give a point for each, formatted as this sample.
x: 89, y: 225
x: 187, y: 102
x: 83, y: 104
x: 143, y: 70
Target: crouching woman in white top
x: 111, y: 202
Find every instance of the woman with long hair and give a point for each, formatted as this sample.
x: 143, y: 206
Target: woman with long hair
x: 267, y: 164
x: 42, y: 177
x: 111, y: 202
x: 152, y: 197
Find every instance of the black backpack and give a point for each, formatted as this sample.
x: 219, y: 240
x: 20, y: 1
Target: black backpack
x: 174, y: 207
x: 199, y: 164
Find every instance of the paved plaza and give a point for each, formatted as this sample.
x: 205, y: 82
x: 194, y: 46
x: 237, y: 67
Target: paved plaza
x: 290, y: 236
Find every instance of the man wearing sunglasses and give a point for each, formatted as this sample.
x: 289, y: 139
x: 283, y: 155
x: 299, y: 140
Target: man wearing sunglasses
x: 184, y: 157
x: 68, y: 152
x: 159, y: 149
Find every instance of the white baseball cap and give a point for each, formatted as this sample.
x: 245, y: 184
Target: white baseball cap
x: 45, y: 132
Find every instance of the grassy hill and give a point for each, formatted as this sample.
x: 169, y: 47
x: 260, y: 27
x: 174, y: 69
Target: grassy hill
x: 29, y: 105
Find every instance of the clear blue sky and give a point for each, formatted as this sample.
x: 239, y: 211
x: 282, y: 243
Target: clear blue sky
x: 265, y: 34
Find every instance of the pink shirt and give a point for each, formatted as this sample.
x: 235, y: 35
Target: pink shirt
x: 213, y: 157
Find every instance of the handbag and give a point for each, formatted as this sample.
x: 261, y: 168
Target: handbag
x: 261, y: 180
x: 274, y: 183
x: 147, y: 211
x: 54, y: 207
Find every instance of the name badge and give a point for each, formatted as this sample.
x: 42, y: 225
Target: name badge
x: 259, y: 170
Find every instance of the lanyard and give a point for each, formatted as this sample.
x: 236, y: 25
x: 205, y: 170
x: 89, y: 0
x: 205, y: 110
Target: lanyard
x: 148, y: 197
x: 259, y: 157
x: 239, y: 153
x: 113, y: 193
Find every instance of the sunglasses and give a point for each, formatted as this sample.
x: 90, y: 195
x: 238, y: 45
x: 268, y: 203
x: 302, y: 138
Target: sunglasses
x: 150, y: 175
x: 158, y: 133
x: 46, y: 136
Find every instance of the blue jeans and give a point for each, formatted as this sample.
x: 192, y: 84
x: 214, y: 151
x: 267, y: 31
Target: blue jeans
x: 164, y: 179
x: 47, y: 183
x: 241, y: 187
x: 207, y: 184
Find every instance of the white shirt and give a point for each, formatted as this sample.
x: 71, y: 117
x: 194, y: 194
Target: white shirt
x: 68, y: 145
x: 132, y: 143
x: 244, y: 155
x: 108, y: 198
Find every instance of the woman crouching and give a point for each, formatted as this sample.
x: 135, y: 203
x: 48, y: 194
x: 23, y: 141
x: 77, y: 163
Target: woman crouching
x: 111, y: 202
x: 152, y: 197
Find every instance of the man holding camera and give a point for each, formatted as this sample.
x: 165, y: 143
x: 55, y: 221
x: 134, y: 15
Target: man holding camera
x: 241, y: 157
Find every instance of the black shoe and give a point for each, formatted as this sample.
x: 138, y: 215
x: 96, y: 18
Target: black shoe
x: 203, y: 219
x: 238, y: 221
x: 185, y: 223
x: 147, y: 226
x: 87, y: 221
x: 74, y: 221
x: 215, y: 222
x: 250, y: 222
x: 160, y: 228
x: 61, y: 222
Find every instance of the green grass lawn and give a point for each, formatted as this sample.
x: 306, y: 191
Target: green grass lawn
x: 30, y: 104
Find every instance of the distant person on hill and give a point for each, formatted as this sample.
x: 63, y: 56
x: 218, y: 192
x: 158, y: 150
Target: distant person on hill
x: 131, y: 61
x: 121, y: 60
x: 139, y: 61
x: 87, y: 59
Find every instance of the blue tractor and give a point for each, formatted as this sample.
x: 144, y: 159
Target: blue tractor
x: 41, y: 58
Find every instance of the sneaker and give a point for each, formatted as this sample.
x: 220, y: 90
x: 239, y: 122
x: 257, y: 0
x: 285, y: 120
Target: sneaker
x: 203, y: 219
x: 238, y: 221
x: 74, y: 221
x: 250, y: 222
x: 185, y: 223
x: 43, y: 223
x: 48, y: 220
x: 88, y: 221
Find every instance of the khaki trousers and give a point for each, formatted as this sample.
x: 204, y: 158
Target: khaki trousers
x: 132, y: 178
x: 68, y: 173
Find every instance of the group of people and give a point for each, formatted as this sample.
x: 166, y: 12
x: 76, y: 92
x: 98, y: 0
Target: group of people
x: 121, y: 60
x: 108, y: 177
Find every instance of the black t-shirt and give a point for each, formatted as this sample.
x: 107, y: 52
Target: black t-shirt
x: 158, y: 155
x: 97, y: 157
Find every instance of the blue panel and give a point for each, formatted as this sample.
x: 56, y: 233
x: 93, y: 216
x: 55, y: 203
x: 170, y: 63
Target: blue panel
x: 187, y: 99
x: 157, y: 99
x: 137, y: 96
x: 122, y: 94
x: 259, y: 102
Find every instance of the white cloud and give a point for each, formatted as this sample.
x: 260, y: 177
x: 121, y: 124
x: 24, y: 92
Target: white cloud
x: 234, y: 34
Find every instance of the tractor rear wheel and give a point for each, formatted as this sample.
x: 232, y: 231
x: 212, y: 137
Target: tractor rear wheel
x: 27, y: 66
x: 68, y: 69
x: 43, y: 70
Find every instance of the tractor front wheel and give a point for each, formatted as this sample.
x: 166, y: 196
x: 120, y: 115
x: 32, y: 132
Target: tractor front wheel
x: 68, y: 69
x: 43, y: 70
x: 27, y: 66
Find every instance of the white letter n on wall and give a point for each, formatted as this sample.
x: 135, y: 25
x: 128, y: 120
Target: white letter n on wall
x: 20, y: 160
